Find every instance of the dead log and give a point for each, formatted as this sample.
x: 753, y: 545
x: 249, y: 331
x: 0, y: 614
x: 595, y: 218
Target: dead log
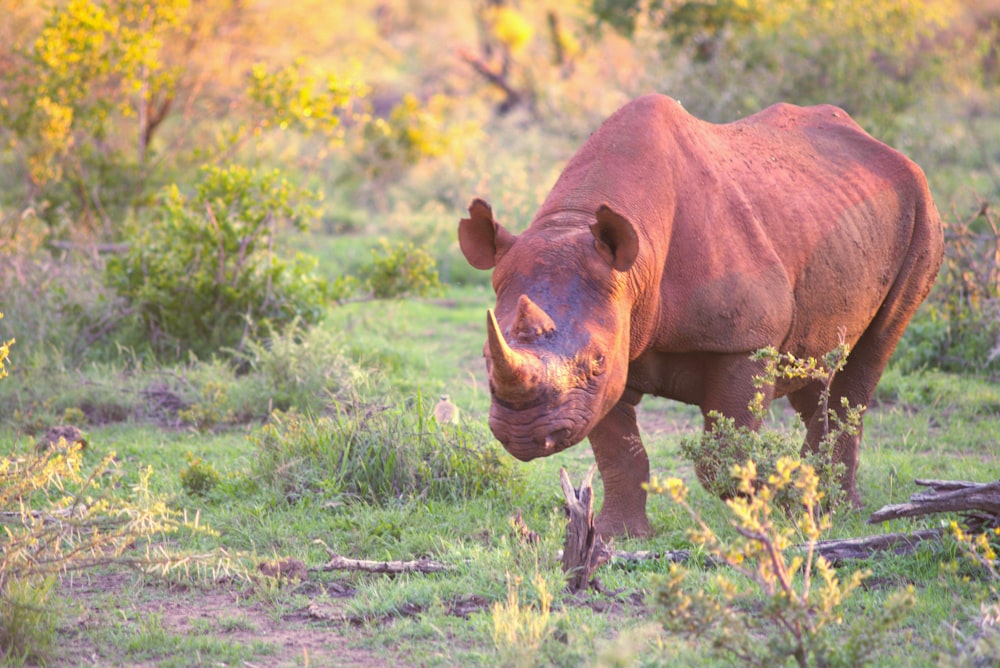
x: 844, y: 549
x: 835, y: 551
x: 945, y: 496
x: 584, y: 550
x: 339, y: 563
x: 978, y: 502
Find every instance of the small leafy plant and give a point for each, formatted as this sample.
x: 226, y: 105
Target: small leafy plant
x: 726, y: 445
x: 520, y: 628
x: 198, y: 477
x: 978, y: 547
x: 211, y: 411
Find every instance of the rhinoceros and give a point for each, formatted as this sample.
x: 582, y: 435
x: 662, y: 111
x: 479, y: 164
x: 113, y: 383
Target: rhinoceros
x: 669, y: 250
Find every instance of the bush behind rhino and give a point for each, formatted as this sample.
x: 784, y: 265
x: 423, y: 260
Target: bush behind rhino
x: 958, y: 328
x: 205, y: 275
x: 374, y: 453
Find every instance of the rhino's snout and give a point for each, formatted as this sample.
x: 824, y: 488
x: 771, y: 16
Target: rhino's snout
x: 540, y: 444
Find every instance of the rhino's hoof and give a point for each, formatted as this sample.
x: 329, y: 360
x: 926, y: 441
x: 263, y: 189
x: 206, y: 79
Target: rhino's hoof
x: 609, y: 527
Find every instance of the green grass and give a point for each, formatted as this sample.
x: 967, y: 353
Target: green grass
x: 433, y: 346
x: 926, y: 424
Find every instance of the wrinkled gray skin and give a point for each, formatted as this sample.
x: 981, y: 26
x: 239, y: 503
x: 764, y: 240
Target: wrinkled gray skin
x: 669, y: 250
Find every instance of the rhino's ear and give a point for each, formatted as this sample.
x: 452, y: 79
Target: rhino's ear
x: 483, y: 239
x: 615, y: 238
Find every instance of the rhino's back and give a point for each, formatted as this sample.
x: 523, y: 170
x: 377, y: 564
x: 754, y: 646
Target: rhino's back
x: 780, y: 226
x: 845, y: 213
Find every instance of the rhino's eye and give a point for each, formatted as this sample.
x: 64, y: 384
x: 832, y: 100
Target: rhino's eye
x: 597, y: 365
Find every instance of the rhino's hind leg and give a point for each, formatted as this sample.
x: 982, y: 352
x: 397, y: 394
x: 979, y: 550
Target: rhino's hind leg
x: 624, y: 466
x: 806, y: 402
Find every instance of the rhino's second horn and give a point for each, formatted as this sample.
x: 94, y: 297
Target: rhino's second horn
x: 532, y: 322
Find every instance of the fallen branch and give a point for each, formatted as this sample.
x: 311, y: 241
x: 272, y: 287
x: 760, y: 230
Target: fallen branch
x: 945, y: 496
x: 835, y: 551
x: 339, y: 563
x: 842, y: 549
x: 980, y: 502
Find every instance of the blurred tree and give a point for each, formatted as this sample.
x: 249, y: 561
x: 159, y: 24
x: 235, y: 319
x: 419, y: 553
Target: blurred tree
x: 505, y: 57
x: 869, y: 56
x: 91, y: 67
x: 107, y: 101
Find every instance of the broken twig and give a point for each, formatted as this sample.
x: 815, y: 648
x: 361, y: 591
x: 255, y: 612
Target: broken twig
x: 339, y: 563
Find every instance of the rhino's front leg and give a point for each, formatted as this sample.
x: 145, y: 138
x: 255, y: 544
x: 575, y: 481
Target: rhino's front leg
x: 624, y: 468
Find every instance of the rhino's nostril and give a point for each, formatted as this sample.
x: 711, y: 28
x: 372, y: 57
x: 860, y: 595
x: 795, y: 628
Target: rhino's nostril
x: 556, y: 439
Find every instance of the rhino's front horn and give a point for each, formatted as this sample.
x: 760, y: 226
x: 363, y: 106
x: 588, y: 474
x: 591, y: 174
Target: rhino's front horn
x: 514, y: 374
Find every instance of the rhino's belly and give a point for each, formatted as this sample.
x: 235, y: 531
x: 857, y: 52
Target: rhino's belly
x: 735, y: 312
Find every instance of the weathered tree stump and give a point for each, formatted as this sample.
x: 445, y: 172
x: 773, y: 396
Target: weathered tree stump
x: 584, y: 551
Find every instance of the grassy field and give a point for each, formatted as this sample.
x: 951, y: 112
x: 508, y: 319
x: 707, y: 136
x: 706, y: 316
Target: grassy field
x: 226, y: 612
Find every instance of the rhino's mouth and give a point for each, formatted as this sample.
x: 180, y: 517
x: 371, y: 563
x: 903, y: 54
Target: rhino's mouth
x: 529, y: 435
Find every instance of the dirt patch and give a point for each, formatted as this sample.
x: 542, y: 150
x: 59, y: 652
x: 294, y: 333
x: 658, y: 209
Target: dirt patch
x: 320, y: 632
x: 224, y: 613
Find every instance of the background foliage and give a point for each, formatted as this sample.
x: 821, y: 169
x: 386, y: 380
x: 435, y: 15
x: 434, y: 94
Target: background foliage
x: 213, y: 211
x: 108, y: 104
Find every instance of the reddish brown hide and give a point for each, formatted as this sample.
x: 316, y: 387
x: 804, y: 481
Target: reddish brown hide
x: 669, y: 250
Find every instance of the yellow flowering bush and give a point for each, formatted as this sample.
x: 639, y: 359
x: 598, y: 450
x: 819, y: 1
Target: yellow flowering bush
x: 802, y: 595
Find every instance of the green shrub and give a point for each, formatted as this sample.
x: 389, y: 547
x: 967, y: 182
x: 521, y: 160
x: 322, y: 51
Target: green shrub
x: 958, y: 327
x: 198, y: 477
x: 204, y: 275
x: 375, y: 453
x: 400, y: 270
x: 715, y: 453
